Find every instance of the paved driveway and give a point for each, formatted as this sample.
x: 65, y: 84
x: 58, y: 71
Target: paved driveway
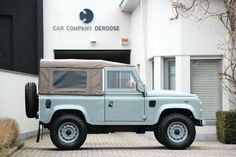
x: 124, y: 145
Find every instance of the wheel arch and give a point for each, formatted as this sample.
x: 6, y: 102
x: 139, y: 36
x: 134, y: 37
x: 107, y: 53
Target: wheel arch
x: 68, y: 111
x: 184, y: 109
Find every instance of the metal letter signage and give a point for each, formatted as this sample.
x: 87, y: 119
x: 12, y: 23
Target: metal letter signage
x: 86, y: 16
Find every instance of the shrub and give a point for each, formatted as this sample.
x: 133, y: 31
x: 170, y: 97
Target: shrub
x: 9, y: 130
x: 226, y: 126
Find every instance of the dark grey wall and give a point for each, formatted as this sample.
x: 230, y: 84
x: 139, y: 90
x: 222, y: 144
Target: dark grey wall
x: 21, y: 35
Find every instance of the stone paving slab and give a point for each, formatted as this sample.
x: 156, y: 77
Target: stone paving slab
x: 124, y: 145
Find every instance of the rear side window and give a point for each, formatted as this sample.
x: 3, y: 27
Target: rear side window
x: 70, y: 79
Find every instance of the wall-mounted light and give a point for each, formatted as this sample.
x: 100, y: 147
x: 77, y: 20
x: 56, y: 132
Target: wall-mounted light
x: 93, y: 42
x: 124, y: 41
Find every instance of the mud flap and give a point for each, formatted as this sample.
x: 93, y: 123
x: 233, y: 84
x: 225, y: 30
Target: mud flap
x: 38, y: 134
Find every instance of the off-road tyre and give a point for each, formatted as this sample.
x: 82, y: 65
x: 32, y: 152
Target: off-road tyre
x: 31, y: 100
x: 169, y: 134
x: 157, y: 136
x: 72, y: 124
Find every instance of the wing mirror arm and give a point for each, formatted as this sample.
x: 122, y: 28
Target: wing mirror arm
x: 140, y: 88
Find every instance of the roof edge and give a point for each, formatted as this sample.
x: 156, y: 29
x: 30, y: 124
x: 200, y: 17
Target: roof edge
x: 79, y: 63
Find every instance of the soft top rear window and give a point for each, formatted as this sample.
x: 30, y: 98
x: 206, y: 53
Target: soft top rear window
x: 69, y: 79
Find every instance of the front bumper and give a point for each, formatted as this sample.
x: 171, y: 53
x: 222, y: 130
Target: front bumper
x: 199, y: 122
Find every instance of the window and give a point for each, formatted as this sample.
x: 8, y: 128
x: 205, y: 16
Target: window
x: 170, y: 74
x: 127, y: 80
x: 117, y: 79
x: 113, y: 79
x: 70, y: 79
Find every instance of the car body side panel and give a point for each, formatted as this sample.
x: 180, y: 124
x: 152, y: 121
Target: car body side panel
x: 165, y: 103
x: 125, y: 108
x: 91, y: 106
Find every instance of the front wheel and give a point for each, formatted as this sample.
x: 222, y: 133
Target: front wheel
x: 68, y: 132
x: 157, y: 136
x: 177, y: 131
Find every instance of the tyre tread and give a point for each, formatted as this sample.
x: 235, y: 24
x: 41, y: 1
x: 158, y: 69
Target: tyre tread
x: 162, y: 131
x: 54, y: 132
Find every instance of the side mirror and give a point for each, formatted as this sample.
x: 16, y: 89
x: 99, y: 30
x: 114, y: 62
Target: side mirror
x: 139, y: 87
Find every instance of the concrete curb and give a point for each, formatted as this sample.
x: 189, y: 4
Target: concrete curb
x: 13, y: 150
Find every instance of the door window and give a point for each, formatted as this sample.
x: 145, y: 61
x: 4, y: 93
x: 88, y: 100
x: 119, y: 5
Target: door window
x: 127, y: 80
x: 121, y: 80
x: 113, y: 79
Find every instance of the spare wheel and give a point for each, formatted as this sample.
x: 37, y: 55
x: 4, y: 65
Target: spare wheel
x: 31, y: 100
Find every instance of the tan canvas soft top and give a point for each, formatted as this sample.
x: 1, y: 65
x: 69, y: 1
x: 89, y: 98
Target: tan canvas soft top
x: 79, y: 63
x: 92, y: 69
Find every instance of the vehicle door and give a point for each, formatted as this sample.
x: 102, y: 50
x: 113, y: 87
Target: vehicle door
x: 123, y: 103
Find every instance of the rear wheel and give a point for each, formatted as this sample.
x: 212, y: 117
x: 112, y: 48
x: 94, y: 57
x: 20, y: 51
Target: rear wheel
x: 177, y: 131
x: 31, y: 100
x: 68, y: 132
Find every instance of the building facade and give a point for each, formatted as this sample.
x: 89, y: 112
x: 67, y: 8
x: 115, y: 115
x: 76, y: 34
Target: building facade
x: 177, y: 55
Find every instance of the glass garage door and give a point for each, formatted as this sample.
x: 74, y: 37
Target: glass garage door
x: 206, y: 84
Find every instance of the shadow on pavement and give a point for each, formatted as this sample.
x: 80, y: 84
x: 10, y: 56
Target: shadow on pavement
x: 99, y: 148
x: 115, y: 148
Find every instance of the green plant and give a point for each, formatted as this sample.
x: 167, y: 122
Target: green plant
x: 226, y: 126
x: 9, y: 130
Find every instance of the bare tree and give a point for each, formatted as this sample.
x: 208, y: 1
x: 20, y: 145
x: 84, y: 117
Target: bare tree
x: 227, y: 16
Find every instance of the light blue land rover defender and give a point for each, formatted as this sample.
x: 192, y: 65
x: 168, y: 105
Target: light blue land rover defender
x: 80, y: 97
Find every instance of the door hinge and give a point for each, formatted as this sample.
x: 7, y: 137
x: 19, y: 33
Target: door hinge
x: 144, y: 117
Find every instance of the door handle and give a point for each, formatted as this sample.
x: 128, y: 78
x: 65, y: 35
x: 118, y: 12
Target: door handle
x: 110, y: 104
